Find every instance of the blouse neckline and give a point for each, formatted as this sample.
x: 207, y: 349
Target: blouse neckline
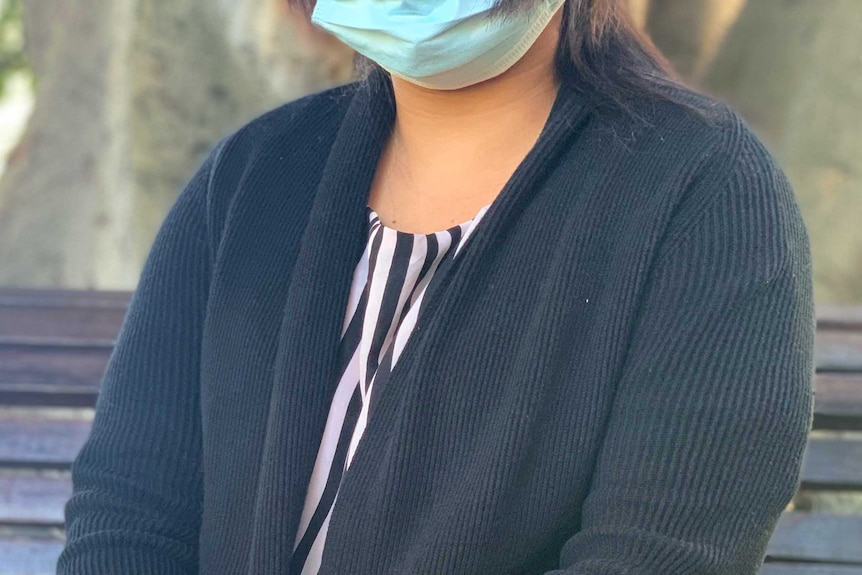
x: 372, y: 216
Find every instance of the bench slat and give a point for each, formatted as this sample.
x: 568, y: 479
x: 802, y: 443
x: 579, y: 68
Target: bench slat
x: 33, y: 368
x: 39, y: 501
x: 32, y: 441
x: 34, y: 499
x: 828, y: 316
x: 61, y: 322
x: 99, y: 314
x: 48, y: 394
x: 67, y: 372
x: 57, y: 297
x: 39, y: 557
x: 839, y: 351
x: 834, y: 464
x: 42, y: 447
x: 56, y: 374
x: 29, y: 556
x: 808, y: 569
x: 38, y: 443
x: 839, y: 317
x: 62, y: 313
x: 838, y: 402
x: 817, y: 537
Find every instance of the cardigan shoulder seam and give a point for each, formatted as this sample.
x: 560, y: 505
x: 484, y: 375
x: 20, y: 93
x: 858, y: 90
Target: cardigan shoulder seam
x: 747, y: 156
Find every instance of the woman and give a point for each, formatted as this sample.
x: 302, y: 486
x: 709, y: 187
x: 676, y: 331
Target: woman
x: 604, y: 278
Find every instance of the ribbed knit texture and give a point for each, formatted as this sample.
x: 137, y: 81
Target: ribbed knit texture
x: 386, y: 296
x: 614, y: 377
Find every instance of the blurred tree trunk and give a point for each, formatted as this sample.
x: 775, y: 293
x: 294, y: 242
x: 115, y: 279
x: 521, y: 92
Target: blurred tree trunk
x: 689, y: 32
x: 639, y: 10
x: 789, y: 68
x: 49, y: 202
x: 130, y: 96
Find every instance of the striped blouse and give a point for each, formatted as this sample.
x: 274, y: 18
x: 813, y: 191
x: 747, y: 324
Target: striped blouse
x: 386, y: 295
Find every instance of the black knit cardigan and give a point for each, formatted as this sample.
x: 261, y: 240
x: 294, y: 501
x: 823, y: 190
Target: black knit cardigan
x: 614, y: 377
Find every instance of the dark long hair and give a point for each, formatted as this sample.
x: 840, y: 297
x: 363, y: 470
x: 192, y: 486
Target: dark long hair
x: 601, y: 54
x: 608, y: 61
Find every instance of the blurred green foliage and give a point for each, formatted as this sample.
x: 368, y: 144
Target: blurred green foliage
x: 12, y: 58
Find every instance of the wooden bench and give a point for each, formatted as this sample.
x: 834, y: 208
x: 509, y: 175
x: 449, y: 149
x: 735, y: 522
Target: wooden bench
x: 54, y: 345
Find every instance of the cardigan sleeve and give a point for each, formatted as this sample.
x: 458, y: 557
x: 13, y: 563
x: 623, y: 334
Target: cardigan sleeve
x: 136, y: 503
x: 712, y: 414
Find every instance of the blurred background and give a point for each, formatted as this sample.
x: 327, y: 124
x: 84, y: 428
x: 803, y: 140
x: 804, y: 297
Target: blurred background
x: 108, y: 106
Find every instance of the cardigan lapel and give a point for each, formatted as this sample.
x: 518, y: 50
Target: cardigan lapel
x: 563, y: 125
x: 304, y: 378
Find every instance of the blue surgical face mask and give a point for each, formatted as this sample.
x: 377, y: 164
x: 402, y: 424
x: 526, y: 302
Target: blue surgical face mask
x: 440, y: 44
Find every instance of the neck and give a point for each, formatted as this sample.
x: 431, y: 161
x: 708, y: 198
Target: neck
x: 495, y: 116
x: 451, y: 152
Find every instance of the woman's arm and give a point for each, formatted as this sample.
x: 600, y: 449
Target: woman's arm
x: 138, y: 480
x: 714, y: 406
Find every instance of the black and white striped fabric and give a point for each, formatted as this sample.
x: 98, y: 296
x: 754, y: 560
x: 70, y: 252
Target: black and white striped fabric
x: 386, y: 295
